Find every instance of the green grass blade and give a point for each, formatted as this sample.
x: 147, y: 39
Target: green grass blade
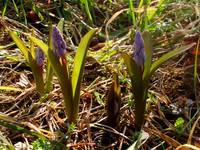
x: 87, y: 8
x: 79, y: 61
x: 4, y: 8
x: 140, y: 4
x: 19, y: 43
x: 24, y: 12
x: 38, y: 11
x: 15, y: 7
x: 195, y: 74
x: 9, y: 88
x: 168, y: 56
x: 131, y: 7
x: 85, y: 3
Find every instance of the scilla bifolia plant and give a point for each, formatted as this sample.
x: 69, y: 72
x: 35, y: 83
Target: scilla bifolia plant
x: 56, y: 54
x: 35, y: 59
x: 140, y: 69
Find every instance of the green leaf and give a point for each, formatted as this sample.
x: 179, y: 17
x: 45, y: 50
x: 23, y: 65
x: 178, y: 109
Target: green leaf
x: 19, y: 43
x: 40, y: 43
x: 134, y: 71
x: 168, y: 56
x: 139, y: 90
x: 148, y: 46
x: 38, y: 75
x: 79, y: 62
x: 49, y: 77
x: 60, y: 25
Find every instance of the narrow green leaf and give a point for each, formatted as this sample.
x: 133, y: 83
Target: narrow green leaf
x: 168, y: 56
x: 133, y: 70
x: 79, y: 62
x: 148, y: 46
x: 19, y: 43
x: 23, y: 11
x: 9, y: 88
x: 49, y: 77
x: 49, y: 69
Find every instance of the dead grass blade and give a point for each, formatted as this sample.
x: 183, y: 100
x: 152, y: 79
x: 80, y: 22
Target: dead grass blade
x: 192, y: 131
x: 166, y: 138
x: 111, y: 20
x: 188, y: 146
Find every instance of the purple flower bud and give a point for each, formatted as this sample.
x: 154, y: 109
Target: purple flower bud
x: 59, y: 45
x: 139, y: 54
x: 39, y: 56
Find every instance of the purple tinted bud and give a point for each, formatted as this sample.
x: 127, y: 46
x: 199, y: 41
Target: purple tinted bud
x: 59, y: 45
x: 39, y: 56
x: 139, y: 54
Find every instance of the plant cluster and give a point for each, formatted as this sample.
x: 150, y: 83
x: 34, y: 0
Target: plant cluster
x: 140, y: 69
